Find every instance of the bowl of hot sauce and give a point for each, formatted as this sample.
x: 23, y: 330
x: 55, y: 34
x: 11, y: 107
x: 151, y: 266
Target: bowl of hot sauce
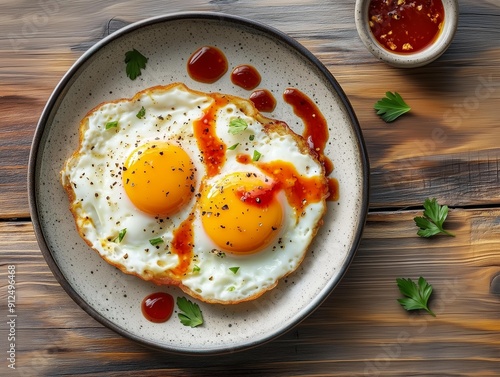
x: 406, y: 33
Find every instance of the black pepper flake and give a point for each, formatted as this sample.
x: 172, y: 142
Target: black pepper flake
x: 225, y: 207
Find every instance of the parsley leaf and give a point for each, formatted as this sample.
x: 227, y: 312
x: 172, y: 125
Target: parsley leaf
x: 256, y: 155
x: 234, y: 269
x: 156, y: 241
x: 135, y: 62
x: 233, y: 147
x: 391, y: 106
x: 237, y: 126
x: 120, y: 236
x: 142, y: 113
x: 432, y: 221
x: 196, y: 268
x: 191, y: 315
x: 417, y: 296
x: 113, y: 124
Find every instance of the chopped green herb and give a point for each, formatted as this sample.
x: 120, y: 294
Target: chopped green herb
x: 417, y: 296
x: 233, y: 147
x: 196, y: 268
x: 156, y: 241
x: 135, y: 62
x: 234, y: 269
x: 191, y: 313
x: 231, y: 288
x: 251, y: 137
x: 142, y: 113
x: 113, y: 124
x: 237, y: 125
x: 432, y: 221
x: 391, y: 107
x: 120, y: 236
x: 256, y: 155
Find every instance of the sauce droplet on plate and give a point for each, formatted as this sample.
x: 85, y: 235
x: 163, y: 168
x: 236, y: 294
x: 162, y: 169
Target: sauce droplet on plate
x: 207, y: 64
x: 246, y: 77
x: 263, y: 100
x: 157, y: 307
x: 405, y: 26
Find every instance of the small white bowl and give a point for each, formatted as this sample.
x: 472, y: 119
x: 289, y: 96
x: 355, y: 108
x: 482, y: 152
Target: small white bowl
x: 408, y: 60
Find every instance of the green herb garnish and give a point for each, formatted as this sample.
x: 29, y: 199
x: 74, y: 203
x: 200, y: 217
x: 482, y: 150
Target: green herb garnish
x: 256, y: 155
x: 233, y: 147
x: 237, y: 126
x: 156, y: 241
x: 231, y: 288
x: 191, y: 313
x: 120, y: 236
x: 135, y: 62
x: 251, y: 137
x: 234, y: 269
x: 196, y: 268
x: 113, y: 124
x: 391, y: 106
x: 142, y: 113
x: 432, y: 221
x: 417, y: 296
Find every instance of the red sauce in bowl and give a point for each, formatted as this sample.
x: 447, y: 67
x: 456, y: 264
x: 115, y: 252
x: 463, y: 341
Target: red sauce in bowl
x: 406, y: 26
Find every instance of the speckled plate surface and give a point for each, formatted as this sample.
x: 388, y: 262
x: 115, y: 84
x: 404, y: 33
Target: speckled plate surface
x: 114, y: 298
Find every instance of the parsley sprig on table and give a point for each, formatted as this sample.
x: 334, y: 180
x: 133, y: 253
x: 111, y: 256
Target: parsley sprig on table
x: 417, y: 296
x: 432, y: 221
x: 135, y: 62
x: 191, y: 313
x: 391, y: 107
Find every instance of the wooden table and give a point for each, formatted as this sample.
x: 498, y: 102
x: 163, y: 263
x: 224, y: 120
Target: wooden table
x: 447, y: 148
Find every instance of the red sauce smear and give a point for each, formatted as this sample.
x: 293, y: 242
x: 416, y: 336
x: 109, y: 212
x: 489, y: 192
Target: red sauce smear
x: 207, y: 64
x: 299, y: 190
x: 246, y: 77
x: 157, y: 307
x: 315, y: 131
x: 405, y: 26
x: 211, y: 146
x: 182, y: 245
x: 333, y: 188
x: 260, y: 197
x: 315, y: 126
x: 263, y: 100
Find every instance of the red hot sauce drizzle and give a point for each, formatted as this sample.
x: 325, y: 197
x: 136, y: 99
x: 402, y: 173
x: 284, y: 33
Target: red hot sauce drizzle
x: 246, y: 77
x: 157, y: 307
x: 315, y: 129
x: 263, y: 100
x: 207, y: 64
x: 405, y: 26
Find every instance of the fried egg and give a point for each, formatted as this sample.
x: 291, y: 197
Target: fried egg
x: 197, y: 190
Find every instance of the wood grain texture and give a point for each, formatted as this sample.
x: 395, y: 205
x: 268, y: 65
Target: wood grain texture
x: 447, y: 147
x: 360, y: 330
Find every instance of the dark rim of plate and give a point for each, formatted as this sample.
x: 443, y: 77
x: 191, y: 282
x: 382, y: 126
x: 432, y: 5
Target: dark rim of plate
x: 53, y: 104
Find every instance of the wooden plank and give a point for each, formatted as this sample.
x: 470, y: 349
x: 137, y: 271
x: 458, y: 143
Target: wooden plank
x: 360, y: 330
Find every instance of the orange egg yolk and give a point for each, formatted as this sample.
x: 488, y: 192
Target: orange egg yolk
x: 159, y: 178
x: 241, y: 214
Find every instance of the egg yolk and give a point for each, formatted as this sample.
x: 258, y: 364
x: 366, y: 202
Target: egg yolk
x: 159, y: 178
x: 241, y: 214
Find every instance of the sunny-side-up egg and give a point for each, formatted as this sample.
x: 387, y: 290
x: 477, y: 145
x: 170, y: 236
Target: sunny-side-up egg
x: 197, y: 190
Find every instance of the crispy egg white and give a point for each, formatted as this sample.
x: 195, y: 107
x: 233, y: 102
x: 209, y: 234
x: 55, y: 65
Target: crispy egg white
x: 163, y: 188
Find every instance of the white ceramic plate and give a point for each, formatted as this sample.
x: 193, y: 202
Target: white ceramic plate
x: 114, y: 298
